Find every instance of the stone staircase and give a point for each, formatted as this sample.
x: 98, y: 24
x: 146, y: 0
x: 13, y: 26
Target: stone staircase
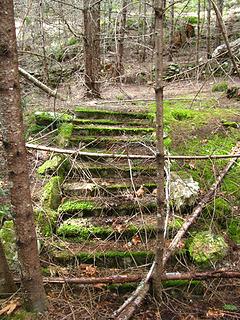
x: 105, y: 214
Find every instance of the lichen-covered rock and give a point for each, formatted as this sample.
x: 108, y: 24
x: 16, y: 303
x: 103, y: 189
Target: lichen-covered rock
x: 206, y: 248
x: 183, y: 192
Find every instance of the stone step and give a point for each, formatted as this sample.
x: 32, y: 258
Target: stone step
x: 105, y: 206
x: 128, y: 142
x: 84, y: 113
x: 108, y: 254
x: 108, y: 187
x: 98, y: 130
x: 137, y: 229
x: 114, y: 169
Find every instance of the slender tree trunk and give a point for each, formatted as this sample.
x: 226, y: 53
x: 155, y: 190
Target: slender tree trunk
x: 91, y: 15
x: 43, y: 42
x: 16, y: 156
x: 157, y: 287
x: 172, y: 14
x: 7, y: 286
x: 220, y: 5
x: 198, y: 32
x: 209, y: 30
x: 120, y: 44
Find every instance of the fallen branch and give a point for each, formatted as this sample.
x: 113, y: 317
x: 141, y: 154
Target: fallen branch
x: 39, y: 84
x: 215, y: 274
x: 130, y: 305
x: 126, y: 156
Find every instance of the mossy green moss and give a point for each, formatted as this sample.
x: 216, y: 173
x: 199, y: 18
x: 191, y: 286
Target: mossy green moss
x: 233, y: 229
x: 96, y: 130
x: 45, y: 118
x: 73, y: 206
x: 51, y: 197
x: 82, y: 229
x: 64, y: 134
x: 184, y: 114
x: 58, y: 164
x: 46, y: 220
x: 220, y: 87
x: 84, y: 113
x: 218, y: 208
x: 206, y: 248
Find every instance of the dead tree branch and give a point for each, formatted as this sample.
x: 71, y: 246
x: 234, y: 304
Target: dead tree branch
x: 126, y: 156
x: 39, y: 84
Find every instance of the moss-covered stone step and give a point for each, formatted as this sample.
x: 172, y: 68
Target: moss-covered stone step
x: 56, y: 118
x: 108, y: 254
x: 88, y: 170
x: 90, y: 130
x: 107, y: 206
x: 84, y: 113
x: 108, y: 187
x: 136, y: 229
x: 105, y: 142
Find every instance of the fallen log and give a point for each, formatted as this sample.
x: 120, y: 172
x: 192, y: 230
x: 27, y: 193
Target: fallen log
x: 39, y: 84
x: 128, y: 308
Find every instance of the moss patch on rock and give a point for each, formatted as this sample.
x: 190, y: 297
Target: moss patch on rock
x: 58, y: 164
x: 51, y: 197
x: 46, y: 220
x: 206, y: 248
x: 8, y: 239
x: 64, y: 134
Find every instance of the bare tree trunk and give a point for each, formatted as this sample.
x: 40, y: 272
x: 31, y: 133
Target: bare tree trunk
x: 198, y: 32
x: 209, y: 30
x: 16, y: 156
x: 43, y: 42
x: 172, y: 14
x: 91, y: 15
x: 7, y: 285
x: 220, y: 5
x: 157, y: 287
x: 120, y: 44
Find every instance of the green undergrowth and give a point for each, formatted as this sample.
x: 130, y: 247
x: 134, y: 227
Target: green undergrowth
x: 220, y: 87
x: 233, y: 228
x: 202, y: 171
x: 73, y: 206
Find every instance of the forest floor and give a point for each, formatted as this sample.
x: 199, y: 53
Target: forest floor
x: 211, y: 299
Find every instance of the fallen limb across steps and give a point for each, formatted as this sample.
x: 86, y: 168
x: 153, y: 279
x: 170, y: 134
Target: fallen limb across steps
x: 126, y: 156
x: 128, y: 308
x: 213, y: 274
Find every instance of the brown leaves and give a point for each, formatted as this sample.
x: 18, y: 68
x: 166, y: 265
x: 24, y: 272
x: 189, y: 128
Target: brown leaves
x: 10, y: 307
